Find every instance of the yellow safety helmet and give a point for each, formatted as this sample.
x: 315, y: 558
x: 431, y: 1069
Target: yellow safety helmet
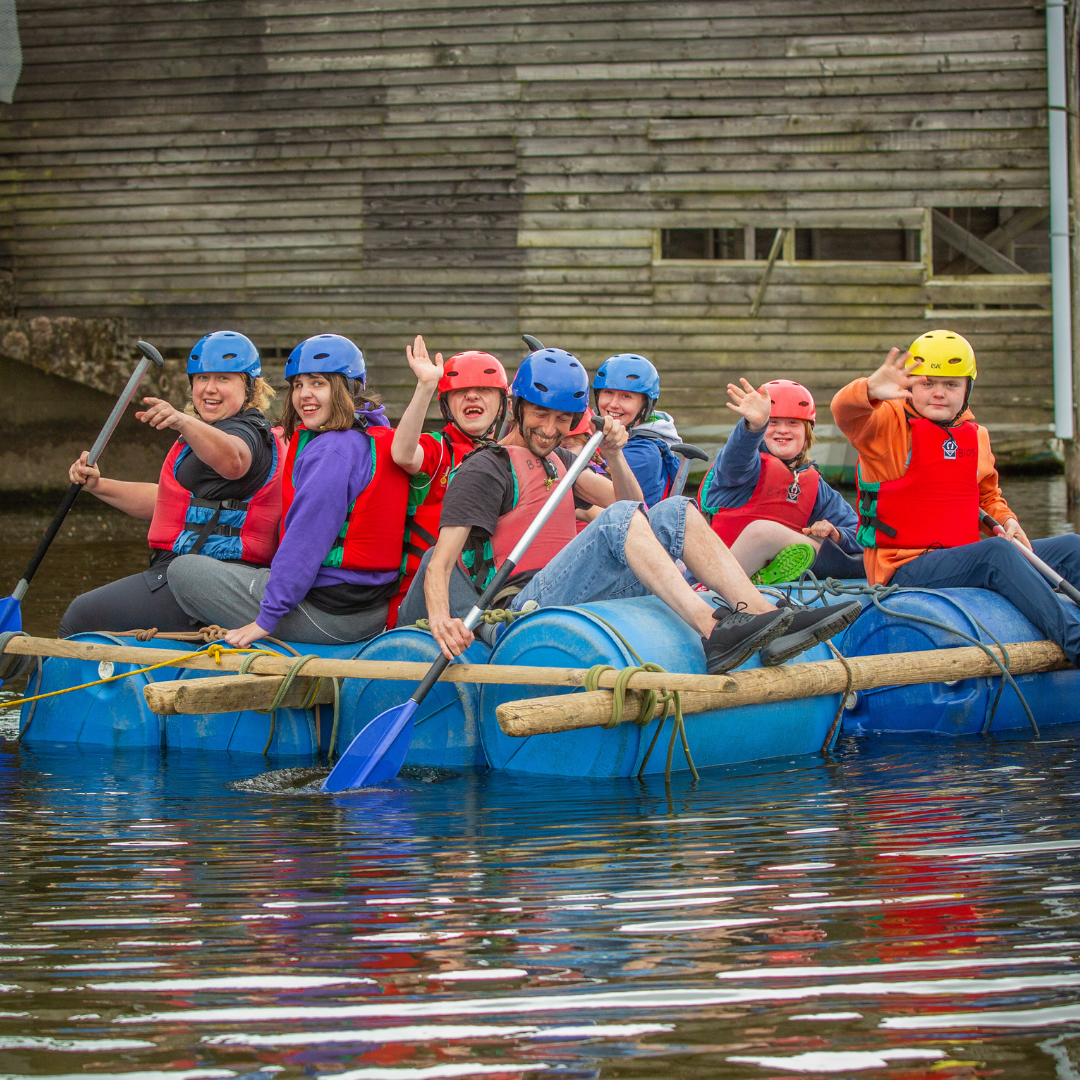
x: 943, y: 353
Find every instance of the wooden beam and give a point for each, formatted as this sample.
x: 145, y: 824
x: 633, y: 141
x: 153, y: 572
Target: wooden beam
x: 774, y: 254
x: 975, y: 249
x: 230, y: 693
x: 326, y: 667
x: 762, y: 686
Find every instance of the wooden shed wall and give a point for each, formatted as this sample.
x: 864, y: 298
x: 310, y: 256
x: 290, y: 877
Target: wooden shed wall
x: 472, y: 170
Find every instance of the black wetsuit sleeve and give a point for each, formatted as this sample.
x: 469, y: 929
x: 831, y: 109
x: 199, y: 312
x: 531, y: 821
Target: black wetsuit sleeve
x: 204, y: 483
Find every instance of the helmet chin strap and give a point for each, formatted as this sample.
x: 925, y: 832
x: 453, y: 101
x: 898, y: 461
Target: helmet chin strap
x: 500, y: 415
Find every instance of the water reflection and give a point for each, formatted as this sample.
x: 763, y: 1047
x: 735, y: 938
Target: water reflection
x: 775, y: 918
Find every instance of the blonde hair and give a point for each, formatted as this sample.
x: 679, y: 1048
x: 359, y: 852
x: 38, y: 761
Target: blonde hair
x: 345, y: 402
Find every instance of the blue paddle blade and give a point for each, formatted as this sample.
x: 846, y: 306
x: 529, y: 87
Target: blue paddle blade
x: 377, y: 751
x: 10, y: 614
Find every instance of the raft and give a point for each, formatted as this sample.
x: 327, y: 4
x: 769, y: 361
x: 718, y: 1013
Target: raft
x: 458, y: 726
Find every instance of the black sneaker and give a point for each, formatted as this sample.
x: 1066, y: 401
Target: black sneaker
x: 738, y: 635
x: 809, y: 626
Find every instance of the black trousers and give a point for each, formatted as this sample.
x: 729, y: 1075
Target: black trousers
x: 132, y: 603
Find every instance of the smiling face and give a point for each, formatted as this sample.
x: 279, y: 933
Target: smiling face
x: 474, y: 408
x: 311, y: 398
x: 785, y: 437
x: 542, y: 430
x: 938, y: 398
x: 622, y: 405
x: 217, y: 395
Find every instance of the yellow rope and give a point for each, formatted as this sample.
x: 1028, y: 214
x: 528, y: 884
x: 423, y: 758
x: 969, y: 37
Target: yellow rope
x: 215, y: 651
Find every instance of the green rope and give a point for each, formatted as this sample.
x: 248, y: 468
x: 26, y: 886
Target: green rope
x: 670, y: 700
x: 492, y: 617
x: 286, y: 686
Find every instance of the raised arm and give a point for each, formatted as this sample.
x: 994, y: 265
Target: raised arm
x: 405, y: 449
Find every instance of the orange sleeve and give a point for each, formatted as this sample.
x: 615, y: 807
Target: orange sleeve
x: 990, y: 498
x: 877, y: 429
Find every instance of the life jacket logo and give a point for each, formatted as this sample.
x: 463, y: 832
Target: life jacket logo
x: 949, y: 448
x: 794, y: 491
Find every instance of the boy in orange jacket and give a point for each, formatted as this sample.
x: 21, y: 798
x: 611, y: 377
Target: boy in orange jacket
x: 926, y: 471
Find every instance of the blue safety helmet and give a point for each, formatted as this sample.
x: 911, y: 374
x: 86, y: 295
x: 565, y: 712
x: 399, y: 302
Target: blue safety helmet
x: 553, y: 379
x: 224, y: 350
x: 628, y: 371
x: 326, y: 353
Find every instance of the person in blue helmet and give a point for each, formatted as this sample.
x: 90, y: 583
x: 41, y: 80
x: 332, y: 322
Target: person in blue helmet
x: 342, y: 517
x: 219, y: 491
x: 628, y: 550
x: 626, y: 388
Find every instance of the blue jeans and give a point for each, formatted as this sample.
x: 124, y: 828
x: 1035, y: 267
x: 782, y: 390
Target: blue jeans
x: 593, y: 566
x: 996, y: 564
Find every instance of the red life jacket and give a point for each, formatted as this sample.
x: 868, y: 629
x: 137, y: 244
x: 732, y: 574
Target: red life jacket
x: 425, y: 505
x: 532, y: 486
x: 372, y: 533
x: 226, y: 529
x: 936, y: 502
x: 780, y: 495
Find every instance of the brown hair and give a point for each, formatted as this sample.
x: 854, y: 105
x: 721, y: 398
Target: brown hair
x: 347, y: 397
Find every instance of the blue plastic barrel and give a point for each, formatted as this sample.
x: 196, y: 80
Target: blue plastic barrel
x: 962, y: 707
x: 447, y: 731
x: 580, y: 637
x: 112, y: 714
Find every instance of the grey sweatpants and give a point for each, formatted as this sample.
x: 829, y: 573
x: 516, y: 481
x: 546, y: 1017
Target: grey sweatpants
x: 229, y: 594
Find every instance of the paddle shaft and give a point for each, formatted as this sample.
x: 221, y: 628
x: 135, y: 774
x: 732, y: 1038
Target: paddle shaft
x: 1047, y: 572
x: 511, y: 561
x: 150, y: 356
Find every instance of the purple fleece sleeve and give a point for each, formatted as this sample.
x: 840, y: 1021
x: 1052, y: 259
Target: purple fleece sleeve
x: 731, y: 481
x: 333, y: 470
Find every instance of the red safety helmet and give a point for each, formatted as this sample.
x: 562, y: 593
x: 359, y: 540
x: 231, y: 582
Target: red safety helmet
x: 584, y: 427
x: 473, y: 368
x: 791, y: 400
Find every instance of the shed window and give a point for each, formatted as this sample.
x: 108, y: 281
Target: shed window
x: 857, y: 245
x: 991, y: 240
x: 728, y: 244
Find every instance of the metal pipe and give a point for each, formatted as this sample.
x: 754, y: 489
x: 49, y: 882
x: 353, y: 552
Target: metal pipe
x: 1060, y: 289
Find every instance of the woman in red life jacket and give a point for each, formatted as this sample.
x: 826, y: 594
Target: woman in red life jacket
x: 472, y: 390
x: 219, y: 492
x: 342, y: 517
x: 769, y: 503
x: 575, y: 442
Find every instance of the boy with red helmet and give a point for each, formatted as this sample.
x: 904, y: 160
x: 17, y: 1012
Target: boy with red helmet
x: 768, y: 501
x: 472, y: 388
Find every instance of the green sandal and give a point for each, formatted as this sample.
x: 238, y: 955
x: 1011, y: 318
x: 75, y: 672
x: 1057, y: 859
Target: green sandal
x: 788, y: 565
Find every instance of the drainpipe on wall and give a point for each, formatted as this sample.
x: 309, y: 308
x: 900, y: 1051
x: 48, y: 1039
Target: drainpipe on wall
x: 1060, y: 285
x: 1072, y: 43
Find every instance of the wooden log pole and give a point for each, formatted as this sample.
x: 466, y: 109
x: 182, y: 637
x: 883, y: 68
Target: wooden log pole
x: 230, y: 693
x: 269, y: 664
x: 761, y: 686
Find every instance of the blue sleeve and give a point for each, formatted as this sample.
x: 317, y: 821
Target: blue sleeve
x: 647, y: 464
x: 733, y: 477
x: 831, y: 506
